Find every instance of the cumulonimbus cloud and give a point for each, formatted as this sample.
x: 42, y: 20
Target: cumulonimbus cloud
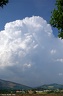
x: 30, y: 44
x: 20, y: 37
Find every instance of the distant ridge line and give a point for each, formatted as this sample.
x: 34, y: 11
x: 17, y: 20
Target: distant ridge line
x: 4, y: 84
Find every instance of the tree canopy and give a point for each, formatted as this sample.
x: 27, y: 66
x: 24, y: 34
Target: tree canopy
x: 3, y: 2
x: 57, y: 17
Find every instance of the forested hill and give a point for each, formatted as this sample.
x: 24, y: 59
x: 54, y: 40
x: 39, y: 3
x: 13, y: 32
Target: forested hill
x: 12, y: 85
x: 50, y: 86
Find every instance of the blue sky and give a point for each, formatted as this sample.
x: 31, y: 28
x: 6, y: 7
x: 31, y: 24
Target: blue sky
x: 30, y: 51
x: 19, y: 10
x: 26, y: 8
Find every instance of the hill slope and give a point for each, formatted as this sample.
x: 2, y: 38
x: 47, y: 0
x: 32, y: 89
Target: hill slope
x: 11, y: 85
x: 50, y: 86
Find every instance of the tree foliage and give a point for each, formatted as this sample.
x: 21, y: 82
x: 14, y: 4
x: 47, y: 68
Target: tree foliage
x: 3, y: 2
x: 57, y: 18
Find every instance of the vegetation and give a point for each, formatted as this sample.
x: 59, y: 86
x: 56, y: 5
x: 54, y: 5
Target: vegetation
x: 3, y: 2
x: 34, y: 93
x: 8, y: 88
x: 12, y: 85
x: 57, y: 18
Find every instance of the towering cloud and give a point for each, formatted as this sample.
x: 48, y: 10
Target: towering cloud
x: 28, y: 47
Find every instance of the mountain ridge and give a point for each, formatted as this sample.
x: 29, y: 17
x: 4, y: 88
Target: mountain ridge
x: 52, y: 86
x: 4, y: 84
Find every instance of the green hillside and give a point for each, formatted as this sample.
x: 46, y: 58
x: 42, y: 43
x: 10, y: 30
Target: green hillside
x: 50, y: 86
x: 11, y: 85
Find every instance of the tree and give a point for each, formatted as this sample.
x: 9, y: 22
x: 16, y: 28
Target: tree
x: 3, y: 2
x: 57, y: 18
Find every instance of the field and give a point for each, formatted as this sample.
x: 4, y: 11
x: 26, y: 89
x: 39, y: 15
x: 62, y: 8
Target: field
x: 31, y: 94
x: 41, y: 95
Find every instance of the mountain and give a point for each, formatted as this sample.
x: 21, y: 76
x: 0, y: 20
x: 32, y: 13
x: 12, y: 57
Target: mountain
x: 15, y: 86
x: 12, y: 85
x: 50, y: 87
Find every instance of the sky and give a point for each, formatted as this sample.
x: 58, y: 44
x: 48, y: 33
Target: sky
x: 30, y: 51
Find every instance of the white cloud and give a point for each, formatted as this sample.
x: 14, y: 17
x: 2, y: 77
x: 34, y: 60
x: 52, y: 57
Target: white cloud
x: 53, y: 51
x: 30, y: 40
x: 60, y: 74
x: 20, y: 37
x: 35, y: 46
x: 60, y: 60
x: 27, y: 65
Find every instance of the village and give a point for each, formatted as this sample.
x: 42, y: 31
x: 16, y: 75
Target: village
x: 30, y: 92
